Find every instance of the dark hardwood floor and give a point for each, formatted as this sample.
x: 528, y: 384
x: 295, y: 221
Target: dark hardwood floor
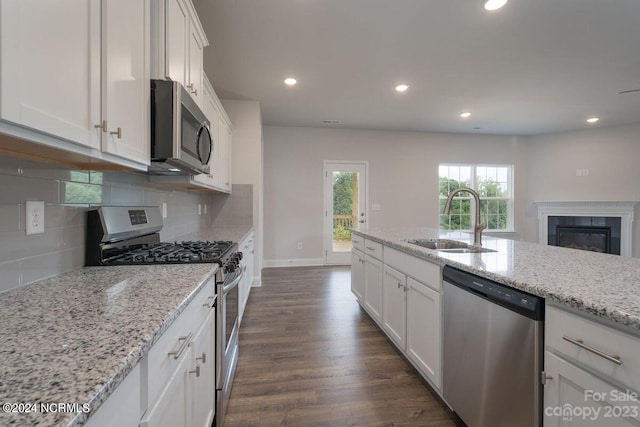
x: 310, y: 356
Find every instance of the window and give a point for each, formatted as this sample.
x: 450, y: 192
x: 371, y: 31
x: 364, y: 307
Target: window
x: 494, y: 184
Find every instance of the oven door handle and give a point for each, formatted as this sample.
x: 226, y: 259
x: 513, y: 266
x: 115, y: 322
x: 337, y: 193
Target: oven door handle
x: 234, y: 282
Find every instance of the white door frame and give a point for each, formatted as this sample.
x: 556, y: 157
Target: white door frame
x: 328, y: 207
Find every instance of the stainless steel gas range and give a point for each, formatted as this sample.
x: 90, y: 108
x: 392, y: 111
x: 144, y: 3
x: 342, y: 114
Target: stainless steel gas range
x: 129, y: 235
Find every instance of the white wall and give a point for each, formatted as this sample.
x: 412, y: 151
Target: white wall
x: 612, y: 156
x: 403, y: 179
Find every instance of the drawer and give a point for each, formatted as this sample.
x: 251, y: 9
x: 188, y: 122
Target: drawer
x: 423, y: 271
x: 161, y: 364
x: 561, y: 324
x: 357, y: 242
x: 373, y: 249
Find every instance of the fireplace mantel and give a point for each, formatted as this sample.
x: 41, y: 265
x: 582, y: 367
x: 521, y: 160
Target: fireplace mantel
x: 622, y: 210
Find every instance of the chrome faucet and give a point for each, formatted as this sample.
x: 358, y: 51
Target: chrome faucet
x: 477, y: 226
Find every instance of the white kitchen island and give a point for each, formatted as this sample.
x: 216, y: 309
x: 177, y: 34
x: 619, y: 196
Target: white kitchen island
x: 592, y: 345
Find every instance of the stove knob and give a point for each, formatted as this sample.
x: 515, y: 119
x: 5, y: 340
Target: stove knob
x: 239, y: 254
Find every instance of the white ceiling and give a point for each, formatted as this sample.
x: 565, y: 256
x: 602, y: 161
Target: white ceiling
x: 536, y: 66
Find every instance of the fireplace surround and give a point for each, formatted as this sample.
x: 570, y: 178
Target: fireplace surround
x: 598, y: 226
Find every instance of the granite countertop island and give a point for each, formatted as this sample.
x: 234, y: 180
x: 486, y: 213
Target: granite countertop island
x: 73, y: 338
x: 604, y: 285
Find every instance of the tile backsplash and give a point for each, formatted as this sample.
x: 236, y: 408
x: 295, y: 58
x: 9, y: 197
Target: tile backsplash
x: 67, y: 195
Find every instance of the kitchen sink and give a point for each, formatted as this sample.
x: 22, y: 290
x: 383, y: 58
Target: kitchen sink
x: 449, y: 246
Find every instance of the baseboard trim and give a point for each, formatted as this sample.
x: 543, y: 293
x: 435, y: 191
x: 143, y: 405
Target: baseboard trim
x: 299, y: 262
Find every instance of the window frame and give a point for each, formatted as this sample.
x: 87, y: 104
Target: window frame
x: 510, y: 228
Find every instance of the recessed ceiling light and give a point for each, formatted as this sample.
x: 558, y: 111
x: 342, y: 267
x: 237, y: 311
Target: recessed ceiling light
x: 465, y: 115
x: 491, y: 5
x: 290, y: 81
x: 174, y: 170
x: 402, y: 87
x: 593, y: 120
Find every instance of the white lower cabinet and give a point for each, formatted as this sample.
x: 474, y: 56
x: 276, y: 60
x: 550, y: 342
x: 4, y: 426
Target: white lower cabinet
x: 403, y: 294
x: 592, y: 372
x: 203, y: 380
x: 246, y: 246
x: 122, y: 408
x: 575, y: 397
x: 185, y: 354
x: 373, y: 287
x: 394, y: 303
x: 170, y: 409
x: 424, y: 330
x: 357, y: 275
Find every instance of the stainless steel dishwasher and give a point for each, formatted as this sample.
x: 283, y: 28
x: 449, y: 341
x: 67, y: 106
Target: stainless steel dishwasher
x: 493, y: 349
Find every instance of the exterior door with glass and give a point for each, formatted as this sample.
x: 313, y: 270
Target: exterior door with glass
x: 344, y: 207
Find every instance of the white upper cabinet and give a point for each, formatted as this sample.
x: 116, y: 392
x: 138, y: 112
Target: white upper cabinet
x: 125, y: 99
x: 179, y: 42
x: 68, y: 68
x: 197, y: 42
x: 177, y: 28
x: 50, y: 67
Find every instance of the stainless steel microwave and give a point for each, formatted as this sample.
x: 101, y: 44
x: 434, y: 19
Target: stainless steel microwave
x: 181, y: 143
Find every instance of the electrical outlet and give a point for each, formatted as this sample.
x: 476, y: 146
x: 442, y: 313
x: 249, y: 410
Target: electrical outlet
x: 199, y: 209
x: 578, y: 172
x: 585, y: 172
x: 299, y: 246
x: 164, y: 209
x: 205, y: 208
x: 34, y: 217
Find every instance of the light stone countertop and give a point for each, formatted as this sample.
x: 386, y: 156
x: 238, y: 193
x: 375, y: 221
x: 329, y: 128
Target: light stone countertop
x: 74, y: 338
x: 604, y: 285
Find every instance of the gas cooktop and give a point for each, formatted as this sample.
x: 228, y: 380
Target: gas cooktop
x: 168, y: 253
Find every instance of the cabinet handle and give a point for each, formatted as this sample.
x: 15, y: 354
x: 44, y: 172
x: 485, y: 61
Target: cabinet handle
x: 196, y: 371
x: 207, y: 304
x: 356, y: 241
x: 118, y: 133
x: 371, y: 248
x: 191, y: 89
x: 185, y: 342
x: 611, y: 358
x: 203, y: 358
x: 103, y: 126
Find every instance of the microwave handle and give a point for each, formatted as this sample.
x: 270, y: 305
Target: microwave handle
x: 203, y: 128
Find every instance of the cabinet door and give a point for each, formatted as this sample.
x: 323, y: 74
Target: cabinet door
x: 50, y: 67
x: 122, y: 407
x: 196, y: 59
x: 574, y: 397
x: 373, y: 287
x: 424, y: 330
x: 125, y: 97
x: 247, y: 250
x: 394, y: 303
x: 357, y: 274
x: 171, y: 407
x: 225, y: 155
x: 176, y: 40
x: 203, y: 359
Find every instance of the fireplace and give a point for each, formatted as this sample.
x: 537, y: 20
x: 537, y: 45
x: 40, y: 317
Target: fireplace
x: 596, y: 226
x: 589, y: 233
